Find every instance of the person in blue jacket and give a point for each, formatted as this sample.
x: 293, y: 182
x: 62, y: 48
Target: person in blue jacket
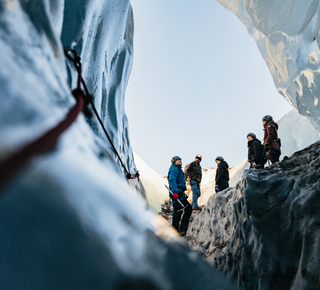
x: 177, y: 186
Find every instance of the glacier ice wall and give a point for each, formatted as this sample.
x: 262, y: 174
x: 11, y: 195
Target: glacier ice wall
x: 102, y: 33
x: 69, y: 218
x: 296, y: 133
x: 287, y: 35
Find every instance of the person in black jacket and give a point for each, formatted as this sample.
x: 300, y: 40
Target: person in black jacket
x: 194, y: 172
x: 255, y: 152
x: 222, y: 174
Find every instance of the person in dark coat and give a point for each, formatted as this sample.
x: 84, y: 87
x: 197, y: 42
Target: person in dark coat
x: 270, y: 140
x: 255, y: 151
x: 194, y: 172
x: 177, y: 186
x: 222, y: 174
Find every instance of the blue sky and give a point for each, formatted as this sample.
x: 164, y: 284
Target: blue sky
x: 198, y: 84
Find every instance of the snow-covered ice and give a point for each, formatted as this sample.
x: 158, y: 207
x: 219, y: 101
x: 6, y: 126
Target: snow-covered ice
x: 153, y: 185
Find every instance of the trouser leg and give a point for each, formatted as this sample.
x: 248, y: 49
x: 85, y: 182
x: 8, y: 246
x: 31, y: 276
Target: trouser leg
x: 176, y: 216
x: 274, y: 157
x: 186, y: 217
x: 199, y: 192
x: 195, y: 192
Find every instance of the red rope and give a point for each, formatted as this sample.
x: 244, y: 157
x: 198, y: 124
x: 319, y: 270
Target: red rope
x: 10, y: 165
x: 13, y: 163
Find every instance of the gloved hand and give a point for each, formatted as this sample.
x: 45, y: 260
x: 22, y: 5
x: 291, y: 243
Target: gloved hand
x: 175, y: 196
x: 266, y: 147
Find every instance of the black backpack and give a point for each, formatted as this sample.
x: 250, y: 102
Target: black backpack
x: 186, y: 175
x: 279, y: 142
x: 264, y: 157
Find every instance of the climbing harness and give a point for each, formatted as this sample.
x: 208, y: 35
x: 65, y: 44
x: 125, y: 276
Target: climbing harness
x: 10, y: 165
x: 171, y: 194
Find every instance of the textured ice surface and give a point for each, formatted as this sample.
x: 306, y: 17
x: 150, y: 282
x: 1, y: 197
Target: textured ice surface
x: 69, y: 219
x: 102, y: 33
x: 264, y: 233
x: 287, y: 35
x: 296, y: 133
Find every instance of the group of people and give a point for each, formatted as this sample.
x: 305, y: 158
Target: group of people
x: 258, y: 154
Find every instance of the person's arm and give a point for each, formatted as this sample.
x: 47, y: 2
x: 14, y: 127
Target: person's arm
x: 257, y: 151
x: 250, y: 154
x: 218, y: 176
x: 172, y: 178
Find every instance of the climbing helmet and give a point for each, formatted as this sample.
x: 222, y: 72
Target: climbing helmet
x: 174, y: 159
x: 199, y: 156
x: 267, y: 118
x: 220, y: 158
x: 252, y: 135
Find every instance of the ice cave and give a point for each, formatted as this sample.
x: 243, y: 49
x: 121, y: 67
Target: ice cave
x: 66, y: 219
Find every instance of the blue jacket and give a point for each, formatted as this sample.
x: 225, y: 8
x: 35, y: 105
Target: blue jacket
x: 177, y: 182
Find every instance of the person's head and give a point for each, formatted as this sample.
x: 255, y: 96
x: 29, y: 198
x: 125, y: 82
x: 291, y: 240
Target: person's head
x: 219, y: 159
x: 251, y: 136
x: 176, y: 160
x: 266, y: 119
x: 198, y: 158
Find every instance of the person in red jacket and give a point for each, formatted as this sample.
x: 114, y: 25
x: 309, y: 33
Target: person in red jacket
x: 271, y: 141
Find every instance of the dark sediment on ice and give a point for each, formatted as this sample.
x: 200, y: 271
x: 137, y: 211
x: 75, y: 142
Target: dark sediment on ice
x: 264, y: 233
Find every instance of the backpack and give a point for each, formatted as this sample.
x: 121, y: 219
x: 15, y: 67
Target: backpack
x: 186, y: 175
x: 264, y: 157
x: 279, y: 142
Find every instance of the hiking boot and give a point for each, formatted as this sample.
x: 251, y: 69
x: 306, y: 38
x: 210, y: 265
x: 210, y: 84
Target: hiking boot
x: 196, y: 208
